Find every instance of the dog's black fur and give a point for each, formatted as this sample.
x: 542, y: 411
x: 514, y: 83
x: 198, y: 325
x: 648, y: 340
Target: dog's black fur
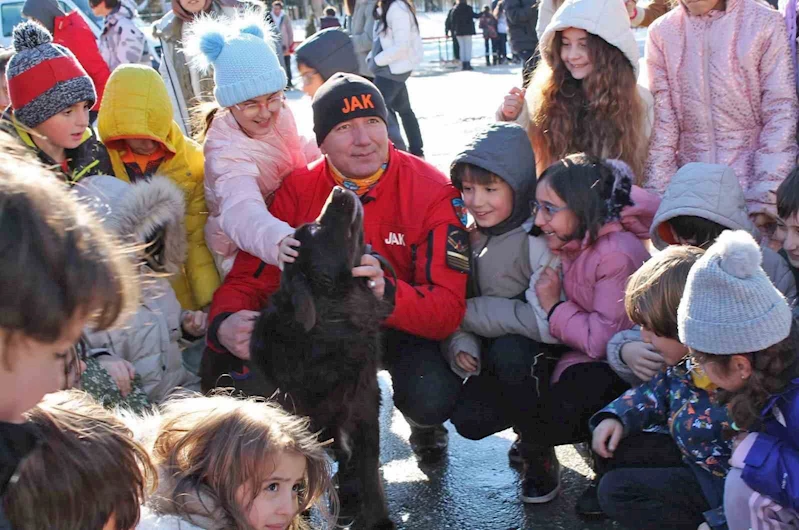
x: 319, y: 343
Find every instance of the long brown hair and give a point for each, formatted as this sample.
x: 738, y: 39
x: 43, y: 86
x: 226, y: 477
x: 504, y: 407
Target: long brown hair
x: 602, y: 115
x: 210, y: 446
x: 772, y: 371
x: 85, y: 469
x: 381, y: 10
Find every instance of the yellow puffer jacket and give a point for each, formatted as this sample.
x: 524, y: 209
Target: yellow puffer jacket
x: 136, y: 105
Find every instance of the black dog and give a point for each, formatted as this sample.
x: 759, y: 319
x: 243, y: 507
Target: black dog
x: 318, y: 342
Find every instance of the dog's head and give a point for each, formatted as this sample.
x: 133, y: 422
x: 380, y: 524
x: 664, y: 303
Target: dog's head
x: 329, y: 248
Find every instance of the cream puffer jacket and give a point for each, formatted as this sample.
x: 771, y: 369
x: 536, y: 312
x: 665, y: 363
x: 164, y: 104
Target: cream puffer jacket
x: 401, y: 42
x: 241, y: 174
x: 724, y: 94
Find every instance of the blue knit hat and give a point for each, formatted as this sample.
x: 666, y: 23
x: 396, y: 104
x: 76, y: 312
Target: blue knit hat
x: 242, y: 53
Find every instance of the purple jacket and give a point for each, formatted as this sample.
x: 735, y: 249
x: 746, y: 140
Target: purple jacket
x: 772, y: 464
x: 594, y: 278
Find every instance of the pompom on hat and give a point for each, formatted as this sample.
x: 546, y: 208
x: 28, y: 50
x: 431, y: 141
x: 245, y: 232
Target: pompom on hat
x: 729, y: 305
x: 242, y: 52
x: 44, y: 78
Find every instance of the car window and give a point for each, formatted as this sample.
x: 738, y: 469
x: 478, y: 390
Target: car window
x: 11, y: 14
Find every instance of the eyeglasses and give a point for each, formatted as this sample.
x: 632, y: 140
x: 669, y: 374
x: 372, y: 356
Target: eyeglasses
x: 547, y: 210
x: 252, y: 108
x: 72, y: 363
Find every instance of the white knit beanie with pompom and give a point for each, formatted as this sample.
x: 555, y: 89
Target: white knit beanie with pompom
x: 729, y: 305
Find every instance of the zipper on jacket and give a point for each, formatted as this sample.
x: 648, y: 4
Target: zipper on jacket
x: 708, y: 104
x: 413, y: 264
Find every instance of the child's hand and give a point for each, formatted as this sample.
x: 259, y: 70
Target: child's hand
x: 547, y: 288
x: 466, y: 362
x: 643, y: 359
x: 235, y: 333
x: 607, y: 436
x: 286, y: 252
x: 195, y: 323
x: 513, y: 103
x: 121, y: 371
x: 630, y: 5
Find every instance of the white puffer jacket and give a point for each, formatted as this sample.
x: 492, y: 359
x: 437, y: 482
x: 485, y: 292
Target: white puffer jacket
x: 401, y: 42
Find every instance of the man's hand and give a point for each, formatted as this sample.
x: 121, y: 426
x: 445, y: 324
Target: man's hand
x: 513, y: 103
x: 466, y: 362
x: 235, y: 331
x: 642, y: 359
x: 121, y: 371
x: 607, y: 436
x: 370, y: 268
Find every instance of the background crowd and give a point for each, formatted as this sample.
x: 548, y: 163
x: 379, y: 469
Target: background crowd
x: 607, y: 263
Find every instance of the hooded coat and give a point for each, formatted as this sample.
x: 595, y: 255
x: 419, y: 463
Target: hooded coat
x: 149, y: 338
x: 506, y: 261
x: 595, y: 276
x: 328, y: 52
x: 137, y: 106
x: 608, y: 20
x: 724, y: 94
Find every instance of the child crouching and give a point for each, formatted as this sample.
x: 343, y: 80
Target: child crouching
x: 234, y: 464
x: 741, y: 331
x: 148, y: 215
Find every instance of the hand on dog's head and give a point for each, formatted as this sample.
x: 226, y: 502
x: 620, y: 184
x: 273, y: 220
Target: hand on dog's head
x: 329, y: 249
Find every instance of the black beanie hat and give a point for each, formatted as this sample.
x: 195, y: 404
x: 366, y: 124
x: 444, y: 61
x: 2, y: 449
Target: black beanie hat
x: 345, y: 97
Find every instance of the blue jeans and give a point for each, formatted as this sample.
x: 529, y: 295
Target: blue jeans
x: 511, y: 375
x: 396, y: 95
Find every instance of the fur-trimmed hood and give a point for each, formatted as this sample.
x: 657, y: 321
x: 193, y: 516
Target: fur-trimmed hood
x: 134, y: 212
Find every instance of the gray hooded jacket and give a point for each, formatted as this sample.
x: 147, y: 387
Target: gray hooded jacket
x: 709, y: 191
x: 506, y: 260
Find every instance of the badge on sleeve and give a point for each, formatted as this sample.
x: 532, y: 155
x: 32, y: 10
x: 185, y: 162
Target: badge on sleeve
x: 460, y: 210
x: 457, y: 248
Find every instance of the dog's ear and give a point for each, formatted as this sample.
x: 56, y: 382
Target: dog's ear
x: 303, y: 302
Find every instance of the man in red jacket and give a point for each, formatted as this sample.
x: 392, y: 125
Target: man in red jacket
x: 411, y: 217
x: 73, y: 33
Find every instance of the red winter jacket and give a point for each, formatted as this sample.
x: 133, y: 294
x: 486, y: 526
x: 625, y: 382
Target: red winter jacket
x: 73, y: 33
x: 410, y: 218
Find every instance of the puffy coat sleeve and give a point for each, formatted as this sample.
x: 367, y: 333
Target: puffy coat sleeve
x: 590, y: 331
x: 492, y: 316
x: 434, y: 307
x: 200, y: 268
x: 662, y: 159
x: 615, y: 361
x: 640, y: 407
x: 461, y: 341
x: 400, y: 22
x: 776, y: 150
x: 243, y: 214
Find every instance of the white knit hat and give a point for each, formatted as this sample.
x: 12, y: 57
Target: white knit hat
x: 729, y: 305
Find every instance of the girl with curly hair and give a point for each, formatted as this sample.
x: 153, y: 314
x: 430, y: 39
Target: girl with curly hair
x: 583, y: 96
x: 740, y: 329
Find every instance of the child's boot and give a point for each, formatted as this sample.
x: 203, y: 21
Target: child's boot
x: 541, y: 482
x: 488, y: 60
x: 587, y: 505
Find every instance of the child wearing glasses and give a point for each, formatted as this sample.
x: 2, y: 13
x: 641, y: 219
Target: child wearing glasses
x: 135, y: 124
x: 741, y: 331
x: 497, y: 344
x: 645, y: 486
x: 61, y: 273
x: 593, y: 218
x: 251, y: 139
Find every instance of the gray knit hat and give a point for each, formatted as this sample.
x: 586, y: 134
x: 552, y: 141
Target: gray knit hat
x: 729, y: 305
x: 44, y: 78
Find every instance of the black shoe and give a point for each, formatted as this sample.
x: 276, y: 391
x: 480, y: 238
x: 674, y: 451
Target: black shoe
x: 587, y: 505
x: 513, y: 453
x: 469, y: 65
x: 429, y: 442
x: 541, y: 482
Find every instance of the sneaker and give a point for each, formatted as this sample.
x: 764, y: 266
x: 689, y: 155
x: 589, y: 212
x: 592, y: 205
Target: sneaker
x: 429, y: 442
x: 587, y: 505
x: 513, y: 453
x: 541, y: 482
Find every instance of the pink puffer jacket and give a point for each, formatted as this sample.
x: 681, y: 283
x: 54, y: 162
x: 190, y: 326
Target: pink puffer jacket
x: 241, y: 174
x: 594, y: 278
x: 724, y: 94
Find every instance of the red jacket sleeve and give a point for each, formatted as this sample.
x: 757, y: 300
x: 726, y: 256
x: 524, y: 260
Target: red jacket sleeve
x: 434, y: 308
